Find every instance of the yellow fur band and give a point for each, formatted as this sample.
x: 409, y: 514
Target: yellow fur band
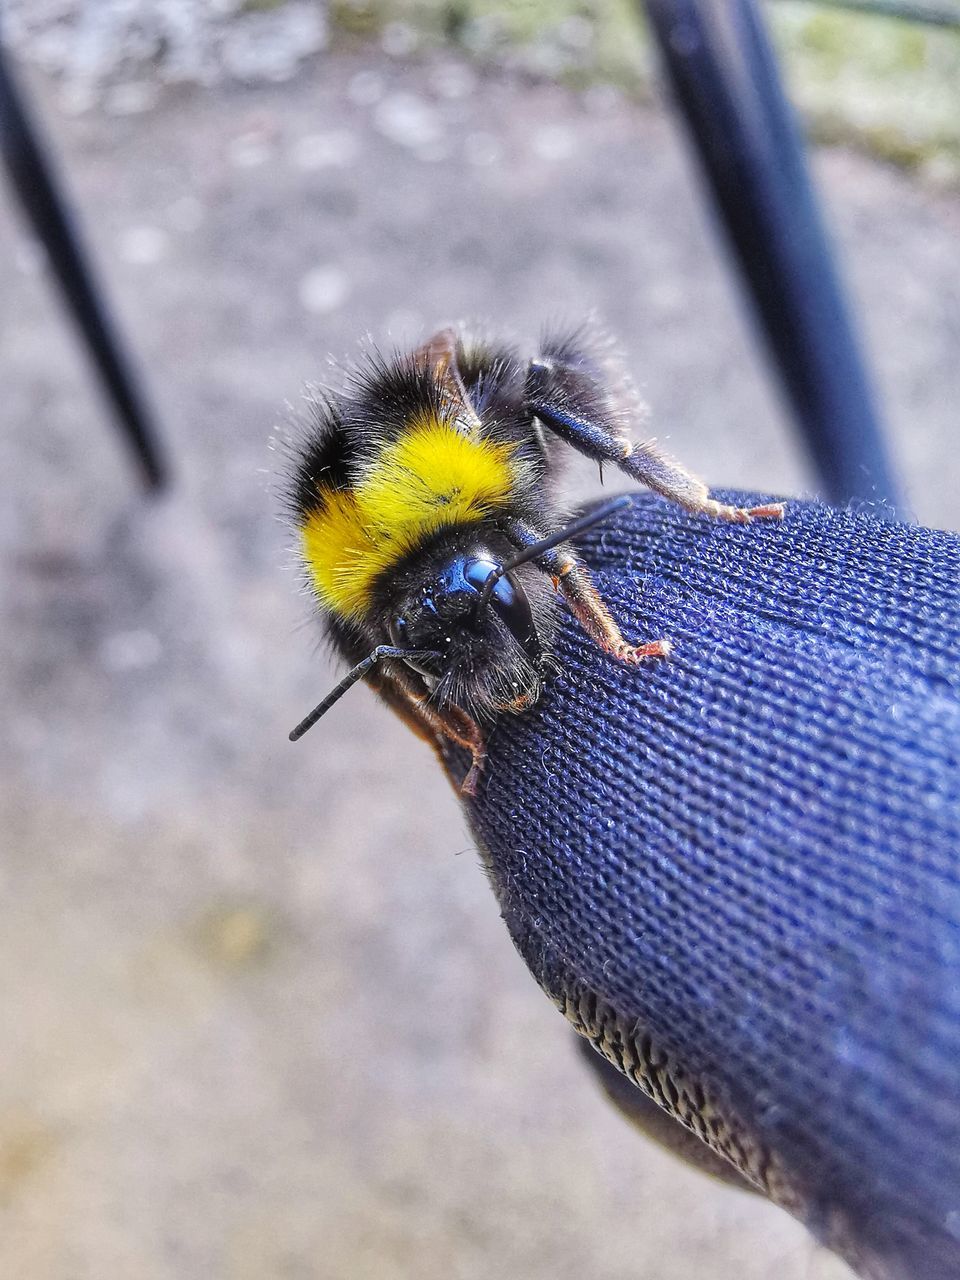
x: 431, y: 478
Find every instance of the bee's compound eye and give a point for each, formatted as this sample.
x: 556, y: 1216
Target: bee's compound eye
x: 476, y: 572
x: 400, y: 631
x: 509, y: 600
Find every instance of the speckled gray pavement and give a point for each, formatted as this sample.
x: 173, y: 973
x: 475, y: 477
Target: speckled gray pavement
x: 259, y: 1015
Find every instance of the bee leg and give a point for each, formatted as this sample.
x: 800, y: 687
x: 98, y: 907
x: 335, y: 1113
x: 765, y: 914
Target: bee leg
x: 464, y: 730
x: 568, y: 401
x: 572, y: 578
x: 661, y: 473
x: 440, y: 355
x: 436, y: 725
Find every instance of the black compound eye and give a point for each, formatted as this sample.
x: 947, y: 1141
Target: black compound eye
x: 476, y: 572
x: 399, y: 631
x: 507, y: 599
x: 513, y: 608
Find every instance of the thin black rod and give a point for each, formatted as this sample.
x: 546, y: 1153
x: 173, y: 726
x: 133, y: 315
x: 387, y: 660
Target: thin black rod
x: 571, y: 530
x: 727, y: 85
x: 36, y: 185
x: 351, y: 678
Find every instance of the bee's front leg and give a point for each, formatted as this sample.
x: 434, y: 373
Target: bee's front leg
x: 464, y: 730
x: 572, y: 578
x: 434, y: 724
x: 567, y: 400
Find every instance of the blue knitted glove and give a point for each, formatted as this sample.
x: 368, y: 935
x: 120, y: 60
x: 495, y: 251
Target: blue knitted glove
x: 737, y: 871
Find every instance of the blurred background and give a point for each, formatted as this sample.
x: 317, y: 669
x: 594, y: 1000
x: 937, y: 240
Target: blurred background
x: 259, y: 1015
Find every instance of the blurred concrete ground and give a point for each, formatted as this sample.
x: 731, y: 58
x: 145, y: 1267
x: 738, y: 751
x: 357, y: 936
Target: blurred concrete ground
x: 258, y: 1017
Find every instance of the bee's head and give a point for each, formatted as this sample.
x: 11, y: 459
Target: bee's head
x: 461, y: 617
x: 479, y: 621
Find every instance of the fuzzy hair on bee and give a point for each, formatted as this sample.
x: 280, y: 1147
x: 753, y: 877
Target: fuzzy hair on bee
x: 424, y: 500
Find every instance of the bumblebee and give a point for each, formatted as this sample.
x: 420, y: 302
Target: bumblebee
x: 429, y: 531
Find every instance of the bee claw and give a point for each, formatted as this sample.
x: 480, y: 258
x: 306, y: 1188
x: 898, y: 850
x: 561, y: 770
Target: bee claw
x: 634, y: 654
x: 469, y: 785
x: 744, y: 515
x: 772, y: 511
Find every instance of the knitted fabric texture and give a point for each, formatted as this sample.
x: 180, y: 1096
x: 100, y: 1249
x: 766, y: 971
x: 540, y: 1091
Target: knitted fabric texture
x: 738, y: 870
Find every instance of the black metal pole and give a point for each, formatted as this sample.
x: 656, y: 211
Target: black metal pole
x: 35, y: 184
x: 725, y: 78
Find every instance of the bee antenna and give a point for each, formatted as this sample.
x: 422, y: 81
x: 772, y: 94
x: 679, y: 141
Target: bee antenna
x: 571, y: 530
x: 351, y: 678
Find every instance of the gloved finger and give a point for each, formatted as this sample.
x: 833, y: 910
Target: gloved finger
x: 736, y: 871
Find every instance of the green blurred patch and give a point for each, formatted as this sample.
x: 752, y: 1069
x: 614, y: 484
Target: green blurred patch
x: 365, y: 17
x: 889, y: 86
x: 235, y: 936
